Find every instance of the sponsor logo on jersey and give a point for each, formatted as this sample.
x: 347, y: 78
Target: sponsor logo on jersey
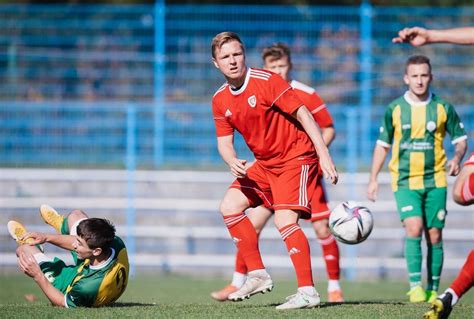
x: 431, y: 126
x: 49, y: 276
x: 441, y: 214
x: 228, y: 113
x: 293, y: 251
x: 406, y: 126
x: 252, y: 101
x: 407, y: 208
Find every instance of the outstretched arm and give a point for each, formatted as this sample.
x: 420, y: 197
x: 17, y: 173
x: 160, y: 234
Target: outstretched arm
x: 380, y: 153
x: 418, y: 36
x: 304, y: 116
x: 63, y: 241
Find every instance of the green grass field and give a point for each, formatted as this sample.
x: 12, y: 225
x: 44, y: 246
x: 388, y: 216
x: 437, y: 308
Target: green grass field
x: 188, y: 297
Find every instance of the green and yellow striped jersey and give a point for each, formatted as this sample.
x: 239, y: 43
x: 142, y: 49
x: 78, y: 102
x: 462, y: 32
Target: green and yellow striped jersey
x: 416, y: 132
x: 95, y: 286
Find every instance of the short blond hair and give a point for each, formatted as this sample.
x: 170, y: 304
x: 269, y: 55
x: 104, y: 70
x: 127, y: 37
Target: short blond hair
x: 222, y: 38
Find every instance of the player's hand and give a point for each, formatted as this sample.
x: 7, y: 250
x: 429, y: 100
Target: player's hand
x: 38, y: 238
x: 238, y: 168
x: 416, y: 36
x: 453, y: 168
x: 328, y: 168
x: 372, y: 190
x: 28, y: 264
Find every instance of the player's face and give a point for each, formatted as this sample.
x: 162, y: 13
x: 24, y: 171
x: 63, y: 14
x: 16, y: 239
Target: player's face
x: 230, y: 60
x: 82, y: 249
x: 281, y: 66
x: 418, y: 78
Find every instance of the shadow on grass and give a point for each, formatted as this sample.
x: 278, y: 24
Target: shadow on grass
x: 131, y: 304
x: 334, y: 304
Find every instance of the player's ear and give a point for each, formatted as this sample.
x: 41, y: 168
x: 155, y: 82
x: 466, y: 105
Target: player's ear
x: 97, y: 251
x: 405, y: 79
x: 215, y: 63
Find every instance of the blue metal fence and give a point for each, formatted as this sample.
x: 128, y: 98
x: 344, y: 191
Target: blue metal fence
x: 69, y: 75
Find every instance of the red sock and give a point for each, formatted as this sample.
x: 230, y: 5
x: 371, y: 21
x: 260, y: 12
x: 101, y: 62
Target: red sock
x: 245, y: 238
x: 240, y: 265
x: 331, y: 256
x: 298, y: 248
x: 465, y: 279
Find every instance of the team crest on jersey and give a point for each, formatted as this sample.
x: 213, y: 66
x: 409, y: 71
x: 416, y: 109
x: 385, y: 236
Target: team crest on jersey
x: 431, y: 126
x: 252, y: 101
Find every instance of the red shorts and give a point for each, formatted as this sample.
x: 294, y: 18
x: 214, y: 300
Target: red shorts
x: 288, y: 187
x: 319, y: 203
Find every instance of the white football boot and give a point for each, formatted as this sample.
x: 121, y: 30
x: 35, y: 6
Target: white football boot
x: 257, y: 281
x: 300, y: 300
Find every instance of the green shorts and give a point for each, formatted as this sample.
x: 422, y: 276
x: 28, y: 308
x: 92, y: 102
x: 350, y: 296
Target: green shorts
x: 58, y: 273
x: 429, y: 204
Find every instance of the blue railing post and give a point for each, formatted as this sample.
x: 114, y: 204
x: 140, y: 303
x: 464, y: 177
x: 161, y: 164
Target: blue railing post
x: 351, y: 160
x: 131, y: 166
x: 366, y: 73
x: 159, y: 82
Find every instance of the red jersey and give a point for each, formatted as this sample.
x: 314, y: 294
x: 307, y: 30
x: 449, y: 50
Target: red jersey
x: 314, y: 103
x: 261, y: 111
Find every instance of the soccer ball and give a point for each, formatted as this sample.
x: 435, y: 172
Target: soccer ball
x: 350, y: 222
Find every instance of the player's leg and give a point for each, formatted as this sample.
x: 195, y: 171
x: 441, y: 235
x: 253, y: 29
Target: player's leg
x: 320, y: 221
x: 258, y: 217
x: 244, y: 193
x: 442, y: 306
x: 435, y: 216
x: 292, y: 189
x: 409, y: 205
x: 54, y: 270
x: 63, y: 225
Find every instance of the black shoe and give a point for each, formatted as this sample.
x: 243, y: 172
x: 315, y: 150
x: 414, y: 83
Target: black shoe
x: 440, y: 308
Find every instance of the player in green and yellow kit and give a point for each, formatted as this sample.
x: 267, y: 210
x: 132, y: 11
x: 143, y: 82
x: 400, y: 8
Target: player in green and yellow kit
x: 414, y: 126
x: 99, y: 275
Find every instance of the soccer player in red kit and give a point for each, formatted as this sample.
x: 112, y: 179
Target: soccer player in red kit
x: 287, y: 145
x: 277, y: 58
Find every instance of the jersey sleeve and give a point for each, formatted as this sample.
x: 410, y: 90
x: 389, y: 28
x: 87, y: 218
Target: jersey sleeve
x: 386, y: 129
x: 454, y: 126
x: 282, y: 95
x: 320, y: 112
x: 223, y: 127
x: 78, y: 296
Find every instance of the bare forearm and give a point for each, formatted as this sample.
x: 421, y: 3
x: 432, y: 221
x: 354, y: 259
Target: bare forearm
x: 380, y: 153
x: 307, y: 121
x: 227, y: 153
x: 459, y: 151
x: 63, y: 241
x: 457, y: 35
x: 328, y: 133
x: 53, y: 294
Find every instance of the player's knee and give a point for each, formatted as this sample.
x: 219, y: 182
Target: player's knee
x: 77, y: 214
x: 321, y: 227
x: 413, y: 230
x: 228, y: 207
